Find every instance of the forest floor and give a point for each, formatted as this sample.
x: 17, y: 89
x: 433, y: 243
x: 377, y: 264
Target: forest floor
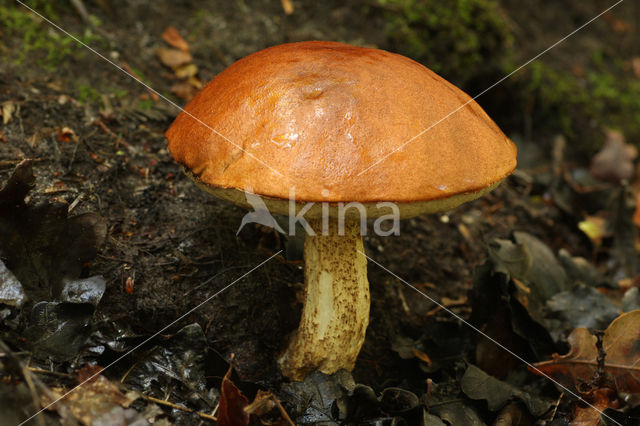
x: 550, y: 250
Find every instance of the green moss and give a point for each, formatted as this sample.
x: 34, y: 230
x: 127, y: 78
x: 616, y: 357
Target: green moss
x: 145, y: 104
x: 606, y: 96
x: 35, y: 41
x: 459, y: 39
x: 86, y: 93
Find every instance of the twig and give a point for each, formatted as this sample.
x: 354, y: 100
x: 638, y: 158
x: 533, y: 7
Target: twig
x: 51, y: 373
x: 180, y: 407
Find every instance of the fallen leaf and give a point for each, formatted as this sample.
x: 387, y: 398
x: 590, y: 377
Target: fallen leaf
x: 66, y: 134
x: 173, y: 58
x: 287, y: 6
x: 600, y: 400
x: 11, y: 291
x: 621, y: 343
x: 99, y: 402
x: 39, y: 243
x: 8, y: 108
x: 569, y: 308
x: 314, y: 398
x: 477, y: 384
x: 594, y: 227
x: 614, y: 162
x: 266, y: 405
x: 184, y: 90
x: 186, y: 71
x: 174, y: 39
x: 231, y: 411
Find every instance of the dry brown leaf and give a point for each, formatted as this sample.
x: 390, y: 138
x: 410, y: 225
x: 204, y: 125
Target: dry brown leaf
x: 621, y: 343
x: 186, y: 71
x: 601, y: 399
x: 184, y: 90
x: 173, y: 58
x: 174, y: 39
x: 231, y: 411
x: 287, y: 6
x: 95, y: 401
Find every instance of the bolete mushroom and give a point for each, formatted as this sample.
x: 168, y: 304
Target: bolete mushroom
x: 327, y: 124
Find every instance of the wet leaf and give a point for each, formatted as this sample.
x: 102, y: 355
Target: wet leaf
x: 477, y: 384
x: 496, y: 299
x: 174, y: 39
x: 621, y: 342
x: 11, y: 291
x: 581, y: 306
x: 231, y: 411
x: 85, y: 290
x: 614, y: 161
x: 314, y: 398
x: 176, y: 365
x: 528, y: 259
x: 39, y: 243
x: 57, y: 331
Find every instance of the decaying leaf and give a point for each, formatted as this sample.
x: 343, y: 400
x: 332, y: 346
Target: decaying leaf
x: 581, y: 306
x: 233, y: 403
x: 269, y: 409
x: 184, y: 90
x: 314, y: 397
x: 530, y: 260
x: 174, y: 39
x: 477, y: 384
x: 176, y: 366
x: 99, y: 402
x: 39, y: 243
x: 600, y: 400
x: 11, y: 291
x: 621, y: 343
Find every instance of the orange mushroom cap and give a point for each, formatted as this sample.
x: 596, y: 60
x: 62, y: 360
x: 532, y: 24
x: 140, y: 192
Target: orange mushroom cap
x: 319, y: 114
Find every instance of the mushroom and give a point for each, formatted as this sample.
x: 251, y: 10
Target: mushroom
x: 327, y: 131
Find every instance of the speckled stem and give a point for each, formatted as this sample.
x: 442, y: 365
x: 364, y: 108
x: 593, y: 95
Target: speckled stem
x: 336, y: 308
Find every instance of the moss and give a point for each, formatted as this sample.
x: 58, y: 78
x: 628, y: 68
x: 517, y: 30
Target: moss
x: 458, y: 39
x: 35, y: 41
x: 605, y: 96
x: 86, y: 93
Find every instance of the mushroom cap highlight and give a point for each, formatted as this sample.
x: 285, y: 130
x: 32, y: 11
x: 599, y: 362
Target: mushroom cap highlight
x: 321, y: 115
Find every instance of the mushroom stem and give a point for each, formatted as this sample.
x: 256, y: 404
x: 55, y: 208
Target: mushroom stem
x: 336, y: 307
